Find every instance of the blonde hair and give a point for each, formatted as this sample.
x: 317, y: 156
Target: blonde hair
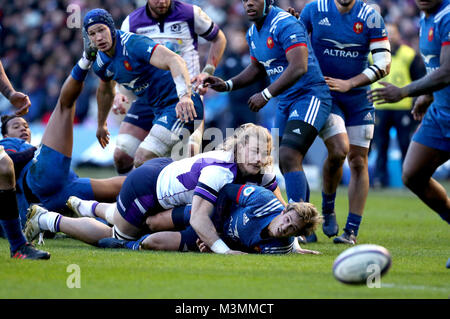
x: 242, y: 136
x: 309, y: 214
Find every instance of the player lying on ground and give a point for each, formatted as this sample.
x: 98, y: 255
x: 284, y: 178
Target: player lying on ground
x: 9, y: 214
x: 156, y: 75
x: 250, y: 218
x: 44, y: 175
x: 161, y: 184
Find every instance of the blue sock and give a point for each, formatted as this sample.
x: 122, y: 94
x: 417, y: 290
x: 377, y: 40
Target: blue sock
x: 297, y: 188
x: 328, y: 203
x: 353, y: 222
x: 134, y: 244
x: 13, y: 231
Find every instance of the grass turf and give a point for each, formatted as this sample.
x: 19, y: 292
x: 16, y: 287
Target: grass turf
x: 417, y: 238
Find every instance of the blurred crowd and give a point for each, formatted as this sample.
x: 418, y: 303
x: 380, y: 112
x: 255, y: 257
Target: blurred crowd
x: 40, y: 41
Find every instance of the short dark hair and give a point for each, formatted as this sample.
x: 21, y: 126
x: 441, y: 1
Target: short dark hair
x: 5, y: 119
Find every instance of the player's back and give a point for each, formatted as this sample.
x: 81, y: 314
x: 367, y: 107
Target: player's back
x: 280, y: 33
x: 435, y: 33
x: 341, y: 42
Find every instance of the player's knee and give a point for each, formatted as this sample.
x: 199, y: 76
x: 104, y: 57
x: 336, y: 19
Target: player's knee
x: 153, y: 243
x: 159, y: 141
x: 142, y: 156
x: 126, y: 146
x: 122, y: 161
x: 409, y: 178
x: 7, y: 171
x: 337, y: 157
x: 290, y: 159
x: 357, y: 162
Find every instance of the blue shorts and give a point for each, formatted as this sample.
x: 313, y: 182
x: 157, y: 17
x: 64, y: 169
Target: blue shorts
x: 137, y: 198
x: 434, y: 131
x: 144, y: 116
x: 353, y: 107
x: 312, y: 109
x: 52, y: 181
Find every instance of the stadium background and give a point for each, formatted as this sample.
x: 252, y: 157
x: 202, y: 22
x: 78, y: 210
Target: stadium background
x: 38, y: 50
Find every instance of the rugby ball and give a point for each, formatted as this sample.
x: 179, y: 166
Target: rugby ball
x: 354, y: 265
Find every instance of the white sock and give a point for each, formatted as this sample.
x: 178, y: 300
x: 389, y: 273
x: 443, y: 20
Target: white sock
x: 49, y: 221
x: 109, y: 214
x: 85, y: 208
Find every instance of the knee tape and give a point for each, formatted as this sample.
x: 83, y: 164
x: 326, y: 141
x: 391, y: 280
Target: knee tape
x: 128, y: 143
x: 159, y: 141
x: 360, y: 135
x: 334, y: 125
x: 117, y: 234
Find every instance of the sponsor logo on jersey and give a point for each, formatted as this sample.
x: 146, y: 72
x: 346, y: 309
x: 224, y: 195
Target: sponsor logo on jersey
x: 297, y: 131
x: 293, y: 38
x: 358, y: 27
x: 341, y: 53
x: 270, y: 43
x: 427, y: 58
x: 248, y: 190
x: 295, y: 113
x: 276, y: 70
x: 431, y: 34
x: 368, y: 117
x: 267, y: 63
x: 175, y: 28
x: 325, y: 22
x: 127, y: 65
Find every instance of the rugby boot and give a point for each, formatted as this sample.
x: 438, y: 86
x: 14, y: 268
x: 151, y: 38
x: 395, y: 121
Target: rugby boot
x: 28, y: 251
x: 32, y: 228
x: 348, y: 237
x: 330, y: 226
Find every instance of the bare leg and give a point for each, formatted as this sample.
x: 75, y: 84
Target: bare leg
x: 58, y: 134
x: 358, y: 187
x: 130, y: 136
x: 106, y: 190
x: 161, y: 221
x: 85, y: 229
x: 337, y: 147
x: 166, y: 240
x: 420, y: 164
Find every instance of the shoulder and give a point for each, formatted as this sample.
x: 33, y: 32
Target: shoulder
x: 443, y: 14
x: 283, y: 20
x: 13, y: 144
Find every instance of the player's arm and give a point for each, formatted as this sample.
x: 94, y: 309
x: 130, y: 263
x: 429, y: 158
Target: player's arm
x: 251, y: 74
x: 297, y: 58
x: 203, y: 226
x: 434, y: 81
x: 381, y: 55
x: 216, y: 51
x: 105, y: 98
x: 166, y: 59
x: 18, y: 99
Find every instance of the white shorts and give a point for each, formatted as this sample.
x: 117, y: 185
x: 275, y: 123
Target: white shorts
x: 359, y: 135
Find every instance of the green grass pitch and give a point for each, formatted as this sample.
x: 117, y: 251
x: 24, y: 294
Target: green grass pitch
x: 417, y: 238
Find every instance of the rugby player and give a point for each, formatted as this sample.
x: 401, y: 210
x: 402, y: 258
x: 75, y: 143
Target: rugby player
x: 161, y: 184
x: 9, y: 215
x: 249, y: 217
x: 178, y: 26
x: 280, y: 49
x: 156, y: 75
x: 430, y: 145
x: 343, y: 33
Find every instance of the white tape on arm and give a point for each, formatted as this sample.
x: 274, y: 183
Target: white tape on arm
x: 219, y: 247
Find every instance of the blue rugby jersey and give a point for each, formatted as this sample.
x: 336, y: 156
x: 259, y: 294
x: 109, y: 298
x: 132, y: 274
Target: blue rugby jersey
x: 435, y: 33
x: 253, y: 210
x: 341, y: 42
x: 130, y: 66
x: 280, y: 33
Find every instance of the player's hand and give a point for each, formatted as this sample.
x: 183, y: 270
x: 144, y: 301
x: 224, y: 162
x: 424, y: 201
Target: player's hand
x: 202, y: 246
x: 338, y: 85
x: 21, y: 102
x: 256, y: 102
x: 293, y: 12
x: 420, y: 106
x: 119, y: 106
x: 185, y: 109
x: 388, y: 94
x: 307, y: 251
x: 103, y: 135
x: 215, y: 83
x: 197, y: 82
